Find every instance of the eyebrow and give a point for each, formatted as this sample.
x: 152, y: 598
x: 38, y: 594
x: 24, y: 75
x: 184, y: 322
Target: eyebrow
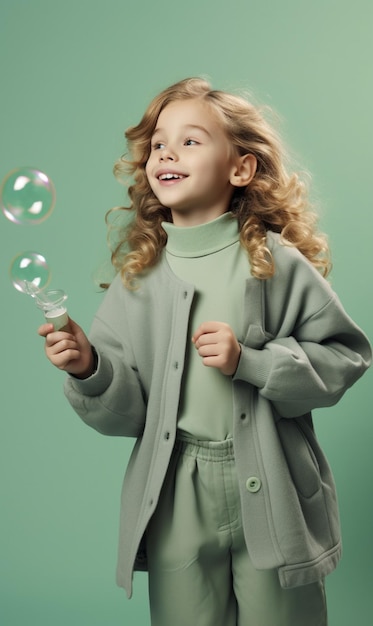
x: 186, y: 128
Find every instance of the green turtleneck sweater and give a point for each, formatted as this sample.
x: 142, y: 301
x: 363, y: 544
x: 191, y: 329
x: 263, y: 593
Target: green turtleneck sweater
x: 210, y: 257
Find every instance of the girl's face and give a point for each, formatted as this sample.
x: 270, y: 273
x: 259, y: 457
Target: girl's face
x: 191, y: 163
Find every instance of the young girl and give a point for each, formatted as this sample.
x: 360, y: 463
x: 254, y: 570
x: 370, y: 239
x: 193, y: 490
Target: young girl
x: 215, y: 340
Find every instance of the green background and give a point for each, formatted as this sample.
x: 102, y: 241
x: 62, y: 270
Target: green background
x: 74, y: 75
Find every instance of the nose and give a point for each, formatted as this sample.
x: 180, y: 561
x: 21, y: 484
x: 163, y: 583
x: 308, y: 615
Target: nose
x: 167, y: 154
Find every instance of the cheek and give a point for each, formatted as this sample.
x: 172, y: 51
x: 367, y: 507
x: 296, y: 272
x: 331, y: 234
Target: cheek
x: 147, y: 168
x: 150, y: 179
x: 214, y: 172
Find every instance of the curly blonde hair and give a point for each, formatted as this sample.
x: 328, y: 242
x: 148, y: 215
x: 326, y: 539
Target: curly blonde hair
x: 274, y: 200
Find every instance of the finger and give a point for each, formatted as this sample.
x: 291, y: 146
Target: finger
x: 58, y: 336
x: 214, y: 361
x: 61, y: 346
x: 207, y: 350
x: 63, y: 360
x: 206, y: 328
x: 208, y: 338
x: 45, y: 329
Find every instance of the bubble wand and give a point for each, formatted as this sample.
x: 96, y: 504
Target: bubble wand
x: 51, y: 302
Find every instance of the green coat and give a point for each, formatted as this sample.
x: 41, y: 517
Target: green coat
x: 300, y: 351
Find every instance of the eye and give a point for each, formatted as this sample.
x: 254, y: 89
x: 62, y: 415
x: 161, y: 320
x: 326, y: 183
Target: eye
x: 190, y: 142
x: 158, y: 145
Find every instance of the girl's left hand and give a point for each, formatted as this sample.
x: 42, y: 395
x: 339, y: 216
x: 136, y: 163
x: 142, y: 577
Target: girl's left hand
x: 217, y: 345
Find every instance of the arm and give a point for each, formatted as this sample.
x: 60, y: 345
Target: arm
x: 111, y: 400
x: 102, y: 387
x: 311, y: 367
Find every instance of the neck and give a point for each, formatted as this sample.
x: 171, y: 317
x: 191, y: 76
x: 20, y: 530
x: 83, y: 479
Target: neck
x: 196, y: 217
x: 202, y: 239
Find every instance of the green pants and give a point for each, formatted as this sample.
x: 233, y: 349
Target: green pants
x: 199, y: 568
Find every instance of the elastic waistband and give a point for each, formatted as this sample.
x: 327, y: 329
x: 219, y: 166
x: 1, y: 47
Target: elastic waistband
x: 207, y: 450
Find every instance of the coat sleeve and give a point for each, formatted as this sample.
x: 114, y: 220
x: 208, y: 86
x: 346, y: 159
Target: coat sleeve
x: 112, y: 400
x: 313, y: 352
x: 309, y: 369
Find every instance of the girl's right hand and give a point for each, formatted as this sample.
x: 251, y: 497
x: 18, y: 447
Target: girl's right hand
x: 69, y: 351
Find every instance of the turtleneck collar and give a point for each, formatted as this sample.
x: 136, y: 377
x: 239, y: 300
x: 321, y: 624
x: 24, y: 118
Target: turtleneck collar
x: 204, y: 239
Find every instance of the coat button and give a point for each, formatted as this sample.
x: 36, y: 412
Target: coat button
x: 253, y: 484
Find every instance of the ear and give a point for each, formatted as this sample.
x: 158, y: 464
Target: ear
x: 243, y: 170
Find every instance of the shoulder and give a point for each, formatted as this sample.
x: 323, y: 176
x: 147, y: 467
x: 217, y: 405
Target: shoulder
x: 287, y: 257
x: 295, y: 274
x: 283, y: 250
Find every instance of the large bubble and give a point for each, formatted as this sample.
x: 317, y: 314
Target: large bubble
x: 29, y: 272
x: 27, y: 196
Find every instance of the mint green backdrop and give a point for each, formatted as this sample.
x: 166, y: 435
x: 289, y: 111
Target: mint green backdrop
x: 74, y: 75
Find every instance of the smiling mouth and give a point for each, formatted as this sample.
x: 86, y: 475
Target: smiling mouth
x: 171, y: 176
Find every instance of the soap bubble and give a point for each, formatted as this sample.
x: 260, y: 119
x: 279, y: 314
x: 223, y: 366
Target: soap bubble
x: 27, y: 196
x: 29, y: 271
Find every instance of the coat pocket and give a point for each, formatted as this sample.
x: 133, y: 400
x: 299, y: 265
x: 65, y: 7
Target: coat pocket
x: 301, y: 459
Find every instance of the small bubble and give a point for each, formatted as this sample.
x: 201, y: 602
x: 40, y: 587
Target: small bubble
x: 27, y: 196
x: 29, y: 267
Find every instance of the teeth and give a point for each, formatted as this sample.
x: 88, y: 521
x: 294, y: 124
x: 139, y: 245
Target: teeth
x: 169, y: 176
